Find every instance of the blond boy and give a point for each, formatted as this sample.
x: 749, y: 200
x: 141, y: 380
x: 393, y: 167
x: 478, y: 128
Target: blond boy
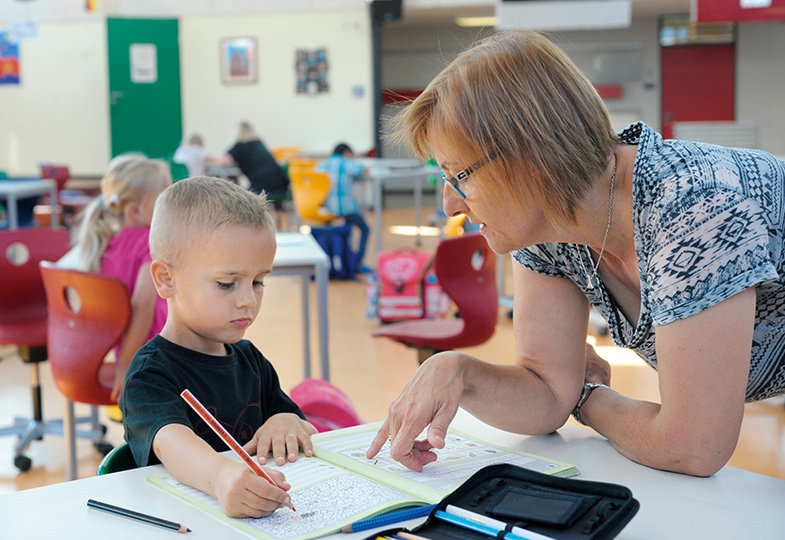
x: 212, y: 245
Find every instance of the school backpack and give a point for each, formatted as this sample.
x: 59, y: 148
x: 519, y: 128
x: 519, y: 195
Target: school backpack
x: 324, y: 405
x: 406, y: 286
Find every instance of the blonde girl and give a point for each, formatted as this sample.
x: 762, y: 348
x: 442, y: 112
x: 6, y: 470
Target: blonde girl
x: 113, y: 240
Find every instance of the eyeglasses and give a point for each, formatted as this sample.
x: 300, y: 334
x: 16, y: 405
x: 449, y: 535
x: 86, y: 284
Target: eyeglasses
x: 464, y: 174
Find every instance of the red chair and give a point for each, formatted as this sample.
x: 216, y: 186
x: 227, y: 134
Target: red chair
x: 465, y: 268
x: 88, y: 314
x: 71, y: 201
x: 23, y: 319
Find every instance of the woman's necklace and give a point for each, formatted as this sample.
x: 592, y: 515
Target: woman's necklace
x: 590, y: 278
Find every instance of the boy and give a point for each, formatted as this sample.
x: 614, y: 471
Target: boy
x: 212, y: 244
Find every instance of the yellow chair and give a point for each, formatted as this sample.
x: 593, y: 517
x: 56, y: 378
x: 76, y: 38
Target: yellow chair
x: 302, y: 164
x: 309, y: 190
x: 282, y: 154
x: 454, y: 226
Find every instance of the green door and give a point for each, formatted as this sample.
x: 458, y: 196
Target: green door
x: 144, y: 86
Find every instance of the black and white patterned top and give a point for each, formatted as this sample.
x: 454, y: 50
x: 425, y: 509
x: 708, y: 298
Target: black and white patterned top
x: 708, y: 223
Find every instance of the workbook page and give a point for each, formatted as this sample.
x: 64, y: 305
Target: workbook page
x: 326, y: 498
x: 461, y: 457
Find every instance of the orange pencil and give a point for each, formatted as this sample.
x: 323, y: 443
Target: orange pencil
x: 226, y: 436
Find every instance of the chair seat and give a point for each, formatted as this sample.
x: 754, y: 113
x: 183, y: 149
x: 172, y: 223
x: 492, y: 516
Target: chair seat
x: 435, y: 334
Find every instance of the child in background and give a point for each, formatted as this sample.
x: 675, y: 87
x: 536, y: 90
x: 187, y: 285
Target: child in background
x: 340, y: 201
x: 113, y: 241
x: 192, y: 154
x: 213, y: 244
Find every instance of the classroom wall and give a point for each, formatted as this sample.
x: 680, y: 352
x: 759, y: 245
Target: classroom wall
x: 281, y: 116
x: 59, y: 111
x: 412, y: 57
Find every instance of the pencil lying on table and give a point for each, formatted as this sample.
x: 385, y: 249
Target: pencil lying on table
x: 138, y: 516
x: 226, y: 437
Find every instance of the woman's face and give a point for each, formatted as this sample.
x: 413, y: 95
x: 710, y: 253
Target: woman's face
x: 508, y: 220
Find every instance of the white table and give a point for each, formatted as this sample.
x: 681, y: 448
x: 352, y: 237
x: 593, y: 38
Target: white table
x: 300, y: 254
x: 382, y: 171
x: 12, y: 190
x: 732, y: 504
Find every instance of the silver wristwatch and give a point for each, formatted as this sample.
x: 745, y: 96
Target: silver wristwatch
x: 588, y: 388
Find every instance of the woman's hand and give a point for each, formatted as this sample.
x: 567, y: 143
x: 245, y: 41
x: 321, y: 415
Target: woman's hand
x: 430, y: 399
x: 597, y: 368
x: 283, y: 434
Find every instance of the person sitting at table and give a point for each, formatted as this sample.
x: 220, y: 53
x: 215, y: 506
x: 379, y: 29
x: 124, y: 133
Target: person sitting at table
x: 679, y: 245
x: 113, y: 239
x: 212, y: 243
x: 255, y: 161
x: 192, y: 154
x: 343, y: 170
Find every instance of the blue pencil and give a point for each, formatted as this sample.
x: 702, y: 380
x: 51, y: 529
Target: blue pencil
x: 387, y: 519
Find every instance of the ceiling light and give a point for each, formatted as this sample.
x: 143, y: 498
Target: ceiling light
x: 476, y: 21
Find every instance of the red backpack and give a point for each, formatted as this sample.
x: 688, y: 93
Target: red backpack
x: 401, y: 275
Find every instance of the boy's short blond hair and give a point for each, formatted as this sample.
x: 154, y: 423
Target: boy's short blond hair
x: 189, y: 208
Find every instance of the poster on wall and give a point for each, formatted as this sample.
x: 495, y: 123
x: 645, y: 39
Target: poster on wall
x: 238, y: 60
x: 144, y: 63
x: 311, y: 70
x: 9, y: 60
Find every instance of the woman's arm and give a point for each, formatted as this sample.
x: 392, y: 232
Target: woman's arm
x: 142, y: 314
x: 536, y: 395
x: 238, y: 489
x: 703, y: 364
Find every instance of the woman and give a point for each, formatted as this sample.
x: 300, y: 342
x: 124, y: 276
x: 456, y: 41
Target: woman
x: 257, y: 164
x: 679, y: 245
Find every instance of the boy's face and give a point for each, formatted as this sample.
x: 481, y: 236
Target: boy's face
x: 215, y: 290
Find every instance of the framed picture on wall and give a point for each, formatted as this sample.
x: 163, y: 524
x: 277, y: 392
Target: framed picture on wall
x: 238, y: 60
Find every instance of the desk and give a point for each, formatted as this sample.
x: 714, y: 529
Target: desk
x: 300, y: 254
x: 12, y: 190
x: 381, y: 171
x: 732, y: 504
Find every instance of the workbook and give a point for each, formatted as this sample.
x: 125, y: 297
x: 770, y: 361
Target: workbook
x: 339, y: 485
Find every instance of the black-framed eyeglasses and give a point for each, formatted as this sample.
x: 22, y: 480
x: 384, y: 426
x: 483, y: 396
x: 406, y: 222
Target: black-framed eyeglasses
x: 464, y: 174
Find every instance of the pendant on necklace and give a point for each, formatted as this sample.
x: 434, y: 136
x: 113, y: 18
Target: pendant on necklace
x: 589, y: 283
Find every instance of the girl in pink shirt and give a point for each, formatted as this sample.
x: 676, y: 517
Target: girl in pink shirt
x: 113, y: 241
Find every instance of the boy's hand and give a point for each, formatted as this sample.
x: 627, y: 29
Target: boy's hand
x: 242, y: 493
x: 283, y: 434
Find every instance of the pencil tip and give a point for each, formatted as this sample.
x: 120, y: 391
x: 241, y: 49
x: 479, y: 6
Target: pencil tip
x: 346, y: 529
x: 183, y: 529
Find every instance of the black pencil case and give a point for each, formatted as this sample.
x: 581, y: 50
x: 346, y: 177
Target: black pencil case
x: 562, y: 508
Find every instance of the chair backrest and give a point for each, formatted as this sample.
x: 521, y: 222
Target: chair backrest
x: 88, y: 314
x: 285, y: 153
x: 22, y: 298
x: 465, y: 268
x: 59, y: 173
x: 309, y: 190
x: 118, y: 459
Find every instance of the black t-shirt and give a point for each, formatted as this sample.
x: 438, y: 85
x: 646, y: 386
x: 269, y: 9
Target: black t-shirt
x: 259, y: 166
x: 240, y: 389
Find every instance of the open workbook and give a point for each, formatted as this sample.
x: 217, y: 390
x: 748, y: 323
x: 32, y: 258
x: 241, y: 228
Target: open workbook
x: 339, y: 485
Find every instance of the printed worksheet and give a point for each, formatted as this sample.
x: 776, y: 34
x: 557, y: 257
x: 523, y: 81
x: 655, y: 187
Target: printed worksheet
x: 339, y: 471
x: 316, y: 487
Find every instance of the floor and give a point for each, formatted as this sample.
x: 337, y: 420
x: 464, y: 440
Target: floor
x: 370, y: 371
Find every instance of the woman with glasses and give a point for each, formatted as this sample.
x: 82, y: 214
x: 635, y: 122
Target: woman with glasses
x: 679, y: 245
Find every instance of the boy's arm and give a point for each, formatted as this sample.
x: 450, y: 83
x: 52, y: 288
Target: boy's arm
x: 240, y: 492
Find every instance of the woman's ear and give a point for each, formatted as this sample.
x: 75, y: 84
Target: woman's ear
x: 163, y: 278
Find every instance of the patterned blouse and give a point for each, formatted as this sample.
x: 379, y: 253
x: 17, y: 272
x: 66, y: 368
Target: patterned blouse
x: 708, y: 223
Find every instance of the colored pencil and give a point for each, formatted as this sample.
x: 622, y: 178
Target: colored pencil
x: 226, y: 437
x: 387, y: 519
x: 124, y: 512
